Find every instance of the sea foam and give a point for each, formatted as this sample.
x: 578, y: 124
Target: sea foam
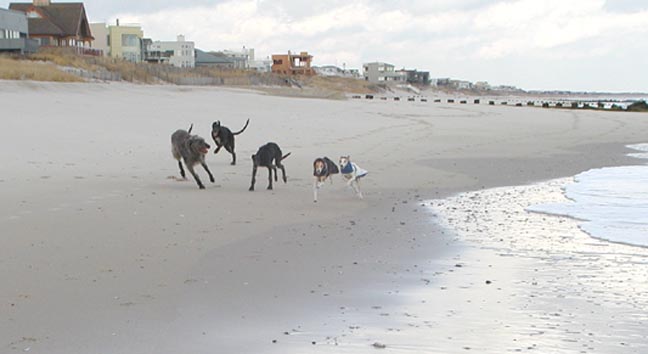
x: 612, y: 202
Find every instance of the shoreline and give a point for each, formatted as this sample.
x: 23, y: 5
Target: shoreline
x: 577, y: 292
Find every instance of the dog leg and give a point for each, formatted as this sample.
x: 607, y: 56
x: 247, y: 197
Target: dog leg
x: 211, y: 177
x: 195, y: 176
x: 356, y: 187
x: 270, y: 177
x: 316, y: 186
x: 254, y: 172
x: 230, y: 149
x: 217, y: 149
x: 283, y: 172
x: 182, y: 171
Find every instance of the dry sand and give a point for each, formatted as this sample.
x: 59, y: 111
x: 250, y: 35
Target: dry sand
x: 103, y: 251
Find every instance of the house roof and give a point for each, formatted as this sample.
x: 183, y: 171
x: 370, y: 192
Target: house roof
x: 203, y: 57
x: 57, y: 19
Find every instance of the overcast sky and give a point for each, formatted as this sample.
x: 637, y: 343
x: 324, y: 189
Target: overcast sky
x: 534, y: 44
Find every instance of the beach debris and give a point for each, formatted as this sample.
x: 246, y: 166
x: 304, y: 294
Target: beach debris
x: 488, y: 282
x: 378, y: 345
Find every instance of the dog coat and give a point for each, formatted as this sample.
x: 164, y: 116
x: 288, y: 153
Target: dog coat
x: 350, y: 167
x: 330, y: 168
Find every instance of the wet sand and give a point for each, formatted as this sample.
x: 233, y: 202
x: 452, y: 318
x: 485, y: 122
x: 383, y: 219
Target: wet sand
x: 104, y: 251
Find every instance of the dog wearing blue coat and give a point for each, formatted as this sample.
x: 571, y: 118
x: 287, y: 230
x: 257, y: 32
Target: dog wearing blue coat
x: 352, y: 173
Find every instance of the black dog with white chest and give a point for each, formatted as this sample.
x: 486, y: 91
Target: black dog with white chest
x: 270, y: 156
x: 223, y: 137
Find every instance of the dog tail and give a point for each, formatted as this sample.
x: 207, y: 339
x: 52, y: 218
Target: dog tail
x: 242, y: 130
x: 191, y: 127
x: 286, y: 155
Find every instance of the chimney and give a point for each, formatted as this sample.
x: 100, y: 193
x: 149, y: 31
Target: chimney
x: 41, y: 2
x: 117, y: 22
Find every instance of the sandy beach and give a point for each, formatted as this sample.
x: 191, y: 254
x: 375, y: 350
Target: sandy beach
x: 104, y: 250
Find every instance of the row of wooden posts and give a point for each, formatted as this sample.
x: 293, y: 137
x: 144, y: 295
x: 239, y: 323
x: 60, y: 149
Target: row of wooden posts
x: 544, y: 104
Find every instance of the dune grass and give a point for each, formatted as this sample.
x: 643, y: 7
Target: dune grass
x: 13, y: 69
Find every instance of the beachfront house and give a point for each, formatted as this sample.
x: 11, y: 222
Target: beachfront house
x: 179, y: 53
x: 416, y: 77
x: 125, y: 41
x: 57, y: 24
x: 382, y: 73
x: 292, y: 64
x: 204, y: 59
x: 14, y: 33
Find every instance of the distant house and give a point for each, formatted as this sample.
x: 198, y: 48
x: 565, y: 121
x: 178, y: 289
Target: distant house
x: 461, y: 84
x: 14, y: 32
x: 204, y: 59
x: 179, y: 53
x: 125, y: 41
x: 332, y: 70
x: 241, y: 58
x: 416, y: 77
x: 56, y: 24
x: 262, y: 66
x: 379, y: 72
x: 329, y: 70
x: 292, y: 64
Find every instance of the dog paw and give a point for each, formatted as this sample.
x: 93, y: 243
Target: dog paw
x: 201, y: 187
x: 251, y: 189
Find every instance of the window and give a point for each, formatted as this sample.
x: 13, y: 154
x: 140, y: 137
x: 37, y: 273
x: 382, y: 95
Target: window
x: 130, y: 40
x: 278, y: 61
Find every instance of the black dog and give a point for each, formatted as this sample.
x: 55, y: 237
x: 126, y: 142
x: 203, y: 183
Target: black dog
x: 191, y: 149
x: 269, y: 155
x: 223, y: 137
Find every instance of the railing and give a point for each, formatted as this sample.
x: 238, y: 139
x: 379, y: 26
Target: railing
x: 80, y: 50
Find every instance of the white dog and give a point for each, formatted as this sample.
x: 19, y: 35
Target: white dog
x: 352, y: 173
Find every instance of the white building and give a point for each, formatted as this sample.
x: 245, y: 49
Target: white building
x: 179, y: 53
x: 242, y: 58
x: 262, y: 66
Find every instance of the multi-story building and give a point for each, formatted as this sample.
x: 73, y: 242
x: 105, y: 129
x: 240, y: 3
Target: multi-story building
x: 382, y: 73
x: 125, y: 41
x: 56, y: 24
x: 292, y: 64
x: 14, y: 31
x: 179, y: 53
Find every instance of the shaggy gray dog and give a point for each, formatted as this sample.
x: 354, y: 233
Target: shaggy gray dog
x: 191, y: 149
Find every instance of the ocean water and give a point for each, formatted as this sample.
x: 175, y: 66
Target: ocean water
x: 611, y: 203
